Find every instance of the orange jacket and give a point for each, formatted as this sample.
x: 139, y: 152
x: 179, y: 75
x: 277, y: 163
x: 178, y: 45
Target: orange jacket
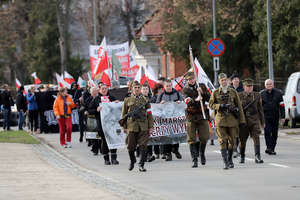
x: 58, y: 106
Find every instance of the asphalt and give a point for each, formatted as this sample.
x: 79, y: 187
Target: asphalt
x: 28, y: 172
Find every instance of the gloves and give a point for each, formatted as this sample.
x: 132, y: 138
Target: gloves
x: 223, y: 107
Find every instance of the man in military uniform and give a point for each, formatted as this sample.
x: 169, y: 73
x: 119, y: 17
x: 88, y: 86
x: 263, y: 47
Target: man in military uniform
x: 229, y: 114
x: 137, y: 127
x: 252, y: 107
x: 196, y: 122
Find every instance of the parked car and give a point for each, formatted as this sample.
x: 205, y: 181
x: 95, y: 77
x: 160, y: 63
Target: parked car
x: 292, y: 99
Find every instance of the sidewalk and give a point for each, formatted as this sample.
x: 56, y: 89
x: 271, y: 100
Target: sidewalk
x: 26, y: 176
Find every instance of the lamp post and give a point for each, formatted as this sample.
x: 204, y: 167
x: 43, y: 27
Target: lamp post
x: 270, y: 56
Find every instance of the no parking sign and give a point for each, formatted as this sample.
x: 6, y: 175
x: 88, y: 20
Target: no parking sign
x: 215, y: 47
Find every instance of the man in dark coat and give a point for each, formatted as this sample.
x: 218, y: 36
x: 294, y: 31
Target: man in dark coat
x: 21, y: 103
x: 7, y: 102
x: 272, y: 102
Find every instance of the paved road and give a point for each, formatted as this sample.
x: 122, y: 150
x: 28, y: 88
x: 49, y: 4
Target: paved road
x: 278, y: 178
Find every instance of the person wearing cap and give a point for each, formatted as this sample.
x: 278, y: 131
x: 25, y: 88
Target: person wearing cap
x: 235, y: 83
x: 229, y: 114
x: 252, y: 107
x: 137, y: 128
x: 196, y: 124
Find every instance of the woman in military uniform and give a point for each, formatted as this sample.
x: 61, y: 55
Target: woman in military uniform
x: 137, y: 127
x: 196, y: 121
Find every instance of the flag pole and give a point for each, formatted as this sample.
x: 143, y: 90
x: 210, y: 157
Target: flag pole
x: 196, y: 77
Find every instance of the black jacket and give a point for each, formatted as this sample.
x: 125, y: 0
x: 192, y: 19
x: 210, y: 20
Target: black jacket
x: 7, y: 100
x: 21, y: 102
x: 271, y: 104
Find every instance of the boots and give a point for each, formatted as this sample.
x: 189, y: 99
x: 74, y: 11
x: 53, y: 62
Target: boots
x: 202, y: 153
x: 106, y: 160
x: 114, y: 160
x: 142, y: 160
x: 230, y: 162
x: 225, y: 158
x: 81, y: 137
x: 257, y: 154
x: 242, y: 151
x: 132, y: 160
x: 193, y: 149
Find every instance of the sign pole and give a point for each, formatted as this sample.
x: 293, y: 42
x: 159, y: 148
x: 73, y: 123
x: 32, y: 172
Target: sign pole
x: 271, y: 74
x: 215, y: 36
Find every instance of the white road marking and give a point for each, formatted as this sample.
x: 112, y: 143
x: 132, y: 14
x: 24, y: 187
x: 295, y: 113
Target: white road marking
x: 273, y: 164
x: 278, y: 165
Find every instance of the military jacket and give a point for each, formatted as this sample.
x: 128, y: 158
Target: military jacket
x: 223, y: 118
x: 193, y: 110
x: 254, y: 112
x: 136, y: 125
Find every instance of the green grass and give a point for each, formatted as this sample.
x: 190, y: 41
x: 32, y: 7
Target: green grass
x: 293, y: 133
x: 17, y: 137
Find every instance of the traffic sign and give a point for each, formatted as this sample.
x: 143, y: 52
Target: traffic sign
x: 216, y: 64
x: 215, y: 47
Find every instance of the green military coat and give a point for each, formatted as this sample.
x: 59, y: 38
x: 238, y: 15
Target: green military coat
x: 254, y: 112
x: 137, y: 125
x: 226, y: 119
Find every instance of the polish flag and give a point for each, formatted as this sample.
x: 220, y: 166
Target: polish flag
x: 36, y: 79
x: 146, y: 74
x: 106, y: 77
x: 61, y: 82
x: 68, y: 78
x: 102, y: 60
x: 91, y: 82
x: 79, y: 81
x: 202, y: 76
x: 18, y: 84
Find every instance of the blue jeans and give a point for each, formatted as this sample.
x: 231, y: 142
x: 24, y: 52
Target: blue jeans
x: 21, y: 119
x: 6, y: 118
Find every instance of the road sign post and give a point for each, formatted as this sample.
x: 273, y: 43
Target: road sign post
x: 216, y: 48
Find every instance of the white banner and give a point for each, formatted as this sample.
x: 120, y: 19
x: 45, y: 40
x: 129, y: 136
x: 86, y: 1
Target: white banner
x: 51, y: 120
x: 169, y: 124
x: 120, y: 50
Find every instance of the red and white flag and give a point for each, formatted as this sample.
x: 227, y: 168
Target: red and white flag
x: 146, y: 74
x: 68, y: 78
x: 36, y: 79
x: 18, y: 84
x: 91, y: 82
x: 61, y: 82
x: 102, y: 60
x: 106, y: 77
x: 79, y: 82
x: 202, y: 77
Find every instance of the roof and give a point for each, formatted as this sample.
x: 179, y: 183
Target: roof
x: 148, y: 46
x: 152, y: 26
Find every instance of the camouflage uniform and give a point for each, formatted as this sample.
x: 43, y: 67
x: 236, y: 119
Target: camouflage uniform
x: 197, y: 126
x: 253, y: 111
x: 229, y: 114
x: 137, y: 127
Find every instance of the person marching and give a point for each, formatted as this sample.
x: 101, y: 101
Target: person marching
x: 138, y: 126
x: 196, y: 121
x: 94, y: 109
x: 252, y: 107
x: 229, y: 114
x: 62, y: 108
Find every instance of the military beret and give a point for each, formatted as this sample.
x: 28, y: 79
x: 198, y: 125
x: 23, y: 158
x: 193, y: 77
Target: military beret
x: 189, y: 75
x: 248, y: 81
x: 135, y: 83
x: 222, y: 75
